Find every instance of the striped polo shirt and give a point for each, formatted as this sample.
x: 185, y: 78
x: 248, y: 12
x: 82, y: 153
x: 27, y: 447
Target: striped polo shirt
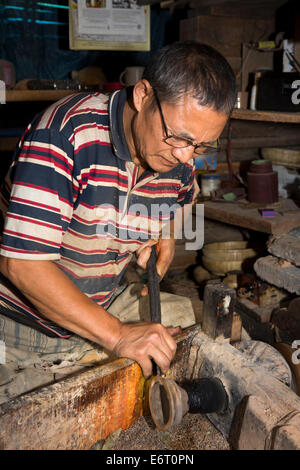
x: 72, y: 196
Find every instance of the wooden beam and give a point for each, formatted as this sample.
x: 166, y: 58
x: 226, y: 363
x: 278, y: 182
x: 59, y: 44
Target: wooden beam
x: 266, y: 141
x: 278, y: 272
x: 37, y: 95
x: 270, y: 116
x: 248, y: 216
x: 78, y: 411
x: 8, y: 144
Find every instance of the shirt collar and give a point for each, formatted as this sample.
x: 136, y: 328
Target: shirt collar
x: 116, y: 107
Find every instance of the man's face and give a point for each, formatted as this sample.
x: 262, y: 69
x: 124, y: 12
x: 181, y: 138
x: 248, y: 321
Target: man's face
x: 184, y: 119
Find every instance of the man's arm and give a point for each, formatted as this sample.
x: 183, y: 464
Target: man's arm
x: 58, y: 299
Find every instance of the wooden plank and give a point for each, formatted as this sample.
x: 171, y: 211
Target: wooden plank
x: 231, y: 30
x: 78, y: 411
x: 244, y: 377
x: 278, y: 272
x: 265, y: 141
x: 250, y: 10
x: 260, y: 314
x: 248, y: 216
x: 8, y: 144
x: 286, y: 247
x: 37, y: 95
x: 270, y: 116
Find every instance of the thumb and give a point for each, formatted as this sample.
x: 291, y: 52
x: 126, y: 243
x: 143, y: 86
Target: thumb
x: 173, y: 331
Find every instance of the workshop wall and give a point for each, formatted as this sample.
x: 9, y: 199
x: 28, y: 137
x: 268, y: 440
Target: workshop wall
x: 34, y: 36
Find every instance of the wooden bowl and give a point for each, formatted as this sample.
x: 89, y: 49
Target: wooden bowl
x: 234, y: 245
x: 231, y: 255
x: 220, y: 267
x: 222, y: 257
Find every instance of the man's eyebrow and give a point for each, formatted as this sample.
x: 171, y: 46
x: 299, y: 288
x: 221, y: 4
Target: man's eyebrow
x: 184, y: 135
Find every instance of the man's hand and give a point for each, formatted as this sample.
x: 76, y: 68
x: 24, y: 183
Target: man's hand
x: 165, y: 254
x: 145, y: 341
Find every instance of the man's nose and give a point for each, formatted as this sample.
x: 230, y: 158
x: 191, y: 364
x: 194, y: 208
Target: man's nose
x: 183, y: 154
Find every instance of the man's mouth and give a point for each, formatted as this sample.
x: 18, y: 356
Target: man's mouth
x: 167, y: 162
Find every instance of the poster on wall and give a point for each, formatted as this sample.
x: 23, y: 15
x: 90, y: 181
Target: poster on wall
x: 119, y: 25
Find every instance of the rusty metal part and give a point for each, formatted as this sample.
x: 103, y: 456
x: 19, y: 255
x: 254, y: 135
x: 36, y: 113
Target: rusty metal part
x: 168, y: 402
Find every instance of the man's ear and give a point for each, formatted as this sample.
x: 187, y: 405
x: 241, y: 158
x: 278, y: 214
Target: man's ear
x: 141, y: 93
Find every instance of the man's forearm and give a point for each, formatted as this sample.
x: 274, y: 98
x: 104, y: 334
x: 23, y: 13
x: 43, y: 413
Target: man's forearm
x: 58, y: 299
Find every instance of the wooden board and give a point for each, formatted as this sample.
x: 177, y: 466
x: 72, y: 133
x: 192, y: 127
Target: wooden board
x: 248, y: 216
x: 77, y: 412
x: 37, y: 95
x: 286, y: 247
x: 279, y: 273
x: 8, y: 144
x: 270, y: 116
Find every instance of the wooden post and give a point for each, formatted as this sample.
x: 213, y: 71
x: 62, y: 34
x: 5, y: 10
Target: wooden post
x: 218, y: 306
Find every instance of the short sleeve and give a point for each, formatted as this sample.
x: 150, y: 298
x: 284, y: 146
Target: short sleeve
x: 40, y: 204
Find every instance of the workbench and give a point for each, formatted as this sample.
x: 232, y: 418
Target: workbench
x: 247, y: 215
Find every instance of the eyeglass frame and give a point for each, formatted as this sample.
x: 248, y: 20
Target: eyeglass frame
x: 208, y: 148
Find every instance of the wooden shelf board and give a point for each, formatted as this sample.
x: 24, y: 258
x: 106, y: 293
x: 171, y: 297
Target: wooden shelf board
x: 37, y: 95
x: 271, y: 116
x: 248, y: 216
x: 8, y: 144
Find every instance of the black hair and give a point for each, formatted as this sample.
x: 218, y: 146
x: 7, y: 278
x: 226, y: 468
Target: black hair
x: 189, y: 67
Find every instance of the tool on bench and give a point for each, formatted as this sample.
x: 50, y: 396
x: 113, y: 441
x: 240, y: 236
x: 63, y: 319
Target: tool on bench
x: 168, y: 401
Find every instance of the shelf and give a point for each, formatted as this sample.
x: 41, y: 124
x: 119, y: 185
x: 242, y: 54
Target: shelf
x: 248, y: 216
x: 37, y: 95
x: 271, y: 116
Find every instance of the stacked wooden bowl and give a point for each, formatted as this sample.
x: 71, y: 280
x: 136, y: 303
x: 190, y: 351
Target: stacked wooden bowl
x: 223, y: 257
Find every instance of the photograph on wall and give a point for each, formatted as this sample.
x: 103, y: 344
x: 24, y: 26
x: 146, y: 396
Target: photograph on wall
x: 109, y: 25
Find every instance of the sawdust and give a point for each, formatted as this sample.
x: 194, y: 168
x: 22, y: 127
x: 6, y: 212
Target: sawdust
x: 195, y: 432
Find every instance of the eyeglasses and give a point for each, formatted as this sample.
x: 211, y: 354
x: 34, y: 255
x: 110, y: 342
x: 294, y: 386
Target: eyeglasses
x: 181, y: 142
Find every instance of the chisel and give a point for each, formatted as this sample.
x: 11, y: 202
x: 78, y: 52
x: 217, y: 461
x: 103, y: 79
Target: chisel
x: 154, y: 292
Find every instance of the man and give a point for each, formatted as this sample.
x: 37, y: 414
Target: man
x: 78, y: 171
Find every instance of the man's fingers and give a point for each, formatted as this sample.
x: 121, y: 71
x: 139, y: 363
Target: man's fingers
x: 143, y: 257
x: 146, y: 366
x: 144, y: 291
x: 174, y: 330
x: 143, y: 253
x: 166, y: 250
x: 144, y: 341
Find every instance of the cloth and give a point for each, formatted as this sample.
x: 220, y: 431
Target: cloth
x: 33, y: 359
x: 72, y: 196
